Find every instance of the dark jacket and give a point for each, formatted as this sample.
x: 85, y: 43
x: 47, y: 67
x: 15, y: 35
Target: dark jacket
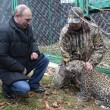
x: 16, y: 46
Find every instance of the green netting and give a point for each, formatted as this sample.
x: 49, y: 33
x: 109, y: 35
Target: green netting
x: 55, y: 59
x: 14, y: 4
x: 103, y: 70
x: 92, y: 5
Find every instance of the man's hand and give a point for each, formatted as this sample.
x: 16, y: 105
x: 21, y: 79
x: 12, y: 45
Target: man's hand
x: 88, y: 66
x: 34, y: 56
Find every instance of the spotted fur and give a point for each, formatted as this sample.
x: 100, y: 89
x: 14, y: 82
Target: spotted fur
x: 96, y: 84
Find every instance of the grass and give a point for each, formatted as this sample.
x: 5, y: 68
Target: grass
x: 52, y: 99
x: 51, y: 49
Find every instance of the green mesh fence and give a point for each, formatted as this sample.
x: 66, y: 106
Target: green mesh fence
x: 52, y: 49
x: 49, y: 17
x: 104, y: 70
x: 14, y: 4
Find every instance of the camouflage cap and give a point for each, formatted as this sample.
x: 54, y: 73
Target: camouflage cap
x: 74, y: 15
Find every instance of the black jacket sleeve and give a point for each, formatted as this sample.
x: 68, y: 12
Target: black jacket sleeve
x: 6, y: 61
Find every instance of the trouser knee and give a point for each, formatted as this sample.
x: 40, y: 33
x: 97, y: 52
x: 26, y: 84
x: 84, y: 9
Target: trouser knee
x: 46, y: 59
x: 25, y: 90
x: 20, y: 87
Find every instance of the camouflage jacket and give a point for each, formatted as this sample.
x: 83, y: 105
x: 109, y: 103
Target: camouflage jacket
x: 82, y: 45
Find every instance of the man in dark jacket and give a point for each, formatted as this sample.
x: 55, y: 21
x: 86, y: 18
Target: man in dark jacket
x: 19, y: 54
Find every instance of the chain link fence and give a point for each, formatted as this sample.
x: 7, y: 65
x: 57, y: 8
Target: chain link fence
x: 49, y: 16
x: 5, y: 11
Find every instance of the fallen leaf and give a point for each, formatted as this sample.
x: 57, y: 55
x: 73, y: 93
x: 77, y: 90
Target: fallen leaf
x: 47, y: 86
x: 55, y: 105
x: 47, y: 107
x: 40, y: 100
x: 31, y: 94
x: 51, y: 108
x: 60, y: 101
x: 44, y: 96
x: 2, y: 107
x: 2, y: 103
x: 54, y: 92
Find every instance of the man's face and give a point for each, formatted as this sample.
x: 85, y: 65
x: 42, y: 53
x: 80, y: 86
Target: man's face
x: 24, y: 20
x: 75, y: 26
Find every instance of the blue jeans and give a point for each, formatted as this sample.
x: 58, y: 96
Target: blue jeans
x: 23, y: 87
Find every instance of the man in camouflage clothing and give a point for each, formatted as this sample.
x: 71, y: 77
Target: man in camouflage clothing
x: 81, y: 47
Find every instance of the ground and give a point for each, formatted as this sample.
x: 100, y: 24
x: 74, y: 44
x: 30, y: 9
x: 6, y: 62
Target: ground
x: 50, y: 100
x: 53, y: 99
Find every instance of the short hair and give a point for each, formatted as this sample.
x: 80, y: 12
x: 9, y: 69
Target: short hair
x: 20, y: 9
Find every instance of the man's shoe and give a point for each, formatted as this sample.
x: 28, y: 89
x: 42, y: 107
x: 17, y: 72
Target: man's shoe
x: 38, y: 90
x: 7, y: 95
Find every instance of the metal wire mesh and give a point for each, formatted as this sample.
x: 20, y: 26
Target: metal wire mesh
x: 5, y: 11
x: 49, y: 16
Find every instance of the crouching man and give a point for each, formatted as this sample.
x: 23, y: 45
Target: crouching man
x: 19, y: 54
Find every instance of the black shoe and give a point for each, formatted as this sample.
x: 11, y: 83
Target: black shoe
x: 6, y: 94
x: 38, y: 90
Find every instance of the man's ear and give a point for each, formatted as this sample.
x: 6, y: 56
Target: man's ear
x: 17, y: 15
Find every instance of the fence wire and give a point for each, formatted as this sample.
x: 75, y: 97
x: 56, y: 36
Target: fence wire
x: 49, y: 16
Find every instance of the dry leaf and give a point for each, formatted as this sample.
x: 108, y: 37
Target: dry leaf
x: 2, y: 103
x: 51, y: 108
x: 47, y: 86
x: 54, y: 92
x: 47, y: 93
x: 47, y: 107
x: 2, y: 107
x: 44, y: 96
x: 40, y: 100
x: 55, y: 105
x: 60, y: 101
x: 31, y: 94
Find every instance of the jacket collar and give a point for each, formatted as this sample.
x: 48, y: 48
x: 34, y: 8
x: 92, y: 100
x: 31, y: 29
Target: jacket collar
x: 19, y: 30
x: 14, y: 24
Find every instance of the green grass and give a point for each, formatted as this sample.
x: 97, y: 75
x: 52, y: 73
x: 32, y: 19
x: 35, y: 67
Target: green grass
x: 66, y: 100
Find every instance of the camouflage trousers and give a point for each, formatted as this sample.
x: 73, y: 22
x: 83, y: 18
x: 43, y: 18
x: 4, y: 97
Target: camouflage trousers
x: 66, y: 73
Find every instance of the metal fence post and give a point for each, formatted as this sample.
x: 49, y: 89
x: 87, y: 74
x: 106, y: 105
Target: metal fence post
x: 14, y: 4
